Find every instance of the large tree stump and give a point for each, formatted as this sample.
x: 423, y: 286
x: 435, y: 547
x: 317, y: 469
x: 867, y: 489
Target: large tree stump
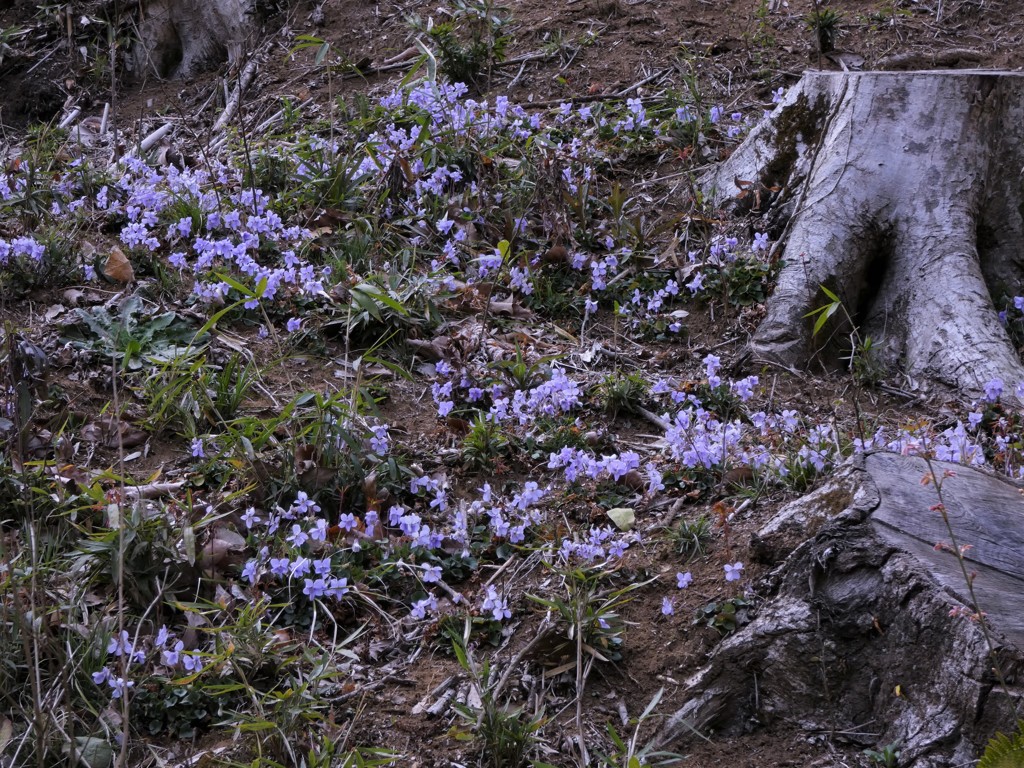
x: 863, y: 636
x: 902, y: 192
x: 178, y: 38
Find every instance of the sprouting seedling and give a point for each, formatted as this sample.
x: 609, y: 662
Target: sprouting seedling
x: 824, y: 313
x: 860, y: 360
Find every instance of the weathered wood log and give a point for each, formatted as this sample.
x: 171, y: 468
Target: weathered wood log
x: 864, y: 630
x: 902, y: 193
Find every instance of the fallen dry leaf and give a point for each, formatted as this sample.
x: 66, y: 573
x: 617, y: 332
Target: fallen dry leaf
x: 111, y: 432
x: 509, y: 308
x: 224, y: 548
x: 118, y: 268
x: 433, y: 349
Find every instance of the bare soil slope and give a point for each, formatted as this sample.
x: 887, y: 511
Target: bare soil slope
x: 733, y: 53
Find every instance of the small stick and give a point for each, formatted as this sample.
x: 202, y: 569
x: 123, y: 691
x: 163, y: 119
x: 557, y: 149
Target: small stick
x: 438, y: 707
x: 424, y: 704
x: 69, y: 118
x: 148, y: 142
x: 542, y: 633
x: 231, y: 107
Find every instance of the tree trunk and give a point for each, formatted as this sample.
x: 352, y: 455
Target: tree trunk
x: 902, y: 193
x: 865, y: 634
x: 178, y: 38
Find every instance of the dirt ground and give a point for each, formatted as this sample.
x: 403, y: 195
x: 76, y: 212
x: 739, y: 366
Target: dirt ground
x: 738, y: 52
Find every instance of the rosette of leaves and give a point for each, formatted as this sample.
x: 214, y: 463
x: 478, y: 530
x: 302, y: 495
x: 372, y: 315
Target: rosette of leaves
x: 726, y: 616
x: 133, y: 336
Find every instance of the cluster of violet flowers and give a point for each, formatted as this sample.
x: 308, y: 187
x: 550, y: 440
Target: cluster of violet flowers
x: 733, y: 572
x: 964, y: 442
x: 21, y: 248
x: 722, y: 252
x: 307, y: 557
x: 600, y: 546
x: 208, y: 221
x: 556, y: 395
x: 170, y: 654
x: 696, y: 438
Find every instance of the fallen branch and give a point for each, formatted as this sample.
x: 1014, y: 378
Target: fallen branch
x: 69, y: 118
x: 152, y: 490
x: 244, y: 79
x: 148, y: 142
x: 929, y: 60
x: 599, y: 96
x: 652, y: 417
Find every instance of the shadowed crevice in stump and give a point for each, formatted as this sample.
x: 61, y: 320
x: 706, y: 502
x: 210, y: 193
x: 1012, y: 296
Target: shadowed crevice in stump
x: 902, y: 193
x: 860, y: 635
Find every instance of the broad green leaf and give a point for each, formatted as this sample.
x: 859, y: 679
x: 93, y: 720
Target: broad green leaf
x: 365, y: 302
x: 824, y: 316
x: 188, y: 537
x: 623, y: 517
x: 831, y: 295
x: 94, y: 751
x: 376, y: 293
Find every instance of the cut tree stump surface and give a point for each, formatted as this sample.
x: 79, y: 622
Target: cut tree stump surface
x: 860, y: 628
x: 987, y: 514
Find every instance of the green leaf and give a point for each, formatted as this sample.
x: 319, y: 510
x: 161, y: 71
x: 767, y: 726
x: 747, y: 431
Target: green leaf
x: 375, y: 293
x: 623, y: 517
x: 831, y: 295
x: 321, y: 53
x: 189, y: 541
x: 416, y: 67
x: 365, y: 303
x: 460, y: 654
x: 241, y: 288
x: 504, y: 248
x: 1004, y: 751
x: 256, y: 726
x: 94, y: 751
x: 824, y: 316
x: 553, y: 605
x: 160, y: 322
x: 430, y: 60
x: 653, y: 703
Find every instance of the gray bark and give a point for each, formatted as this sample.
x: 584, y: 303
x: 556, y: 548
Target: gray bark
x: 178, y: 38
x: 902, y: 192
x: 856, y: 639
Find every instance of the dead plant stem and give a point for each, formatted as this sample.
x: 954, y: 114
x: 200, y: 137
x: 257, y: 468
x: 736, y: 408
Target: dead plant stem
x: 122, y: 756
x: 979, y: 615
